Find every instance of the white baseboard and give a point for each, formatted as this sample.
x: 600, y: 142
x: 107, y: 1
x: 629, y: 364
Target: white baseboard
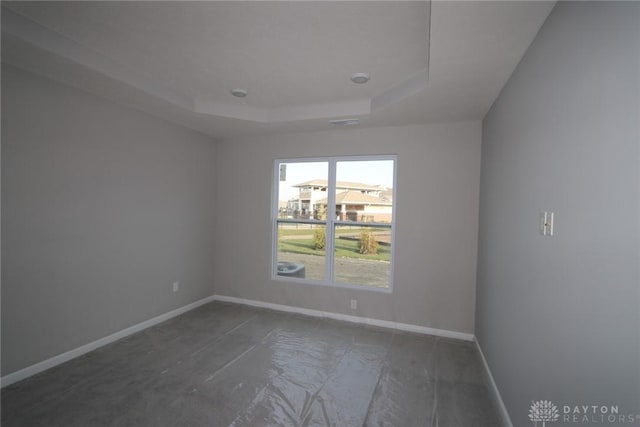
x: 79, y: 351
x: 495, y: 393
x: 348, y: 318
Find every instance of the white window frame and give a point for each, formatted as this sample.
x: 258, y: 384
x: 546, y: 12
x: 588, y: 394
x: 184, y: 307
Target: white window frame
x: 330, y: 222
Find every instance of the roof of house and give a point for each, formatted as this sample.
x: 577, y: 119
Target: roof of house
x: 339, y: 184
x: 386, y: 195
x: 356, y: 197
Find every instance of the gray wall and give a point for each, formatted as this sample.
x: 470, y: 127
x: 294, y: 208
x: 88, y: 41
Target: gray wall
x: 103, y: 208
x: 557, y: 317
x: 436, y: 234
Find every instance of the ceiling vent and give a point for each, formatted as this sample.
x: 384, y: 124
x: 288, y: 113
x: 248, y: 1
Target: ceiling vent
x: 345, y: 122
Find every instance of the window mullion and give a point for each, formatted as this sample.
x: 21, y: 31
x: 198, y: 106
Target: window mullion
x: 331, y: 213
x: 275, y: 193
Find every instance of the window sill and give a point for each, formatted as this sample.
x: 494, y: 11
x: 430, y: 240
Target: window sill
x: 317, y: 283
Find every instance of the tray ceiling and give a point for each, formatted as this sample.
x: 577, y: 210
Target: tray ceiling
x: 180, y: 60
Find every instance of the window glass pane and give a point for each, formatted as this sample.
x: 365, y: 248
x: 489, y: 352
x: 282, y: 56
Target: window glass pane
x: 301, y: 250
x: 301, y: 247
x: 362, y: 255
x: 302, y: 189
x: 364, y: 190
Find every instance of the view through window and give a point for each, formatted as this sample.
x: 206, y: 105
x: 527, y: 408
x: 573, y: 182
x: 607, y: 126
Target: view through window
x: 333, y: 220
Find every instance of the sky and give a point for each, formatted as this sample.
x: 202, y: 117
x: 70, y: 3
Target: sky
x: 373, y: 172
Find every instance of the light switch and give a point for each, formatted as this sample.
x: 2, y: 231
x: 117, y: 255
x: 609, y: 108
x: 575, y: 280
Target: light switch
x: 546, y: 223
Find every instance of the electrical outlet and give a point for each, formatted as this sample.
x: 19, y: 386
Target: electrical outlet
x: 176, y: 286
x: 354, y: 304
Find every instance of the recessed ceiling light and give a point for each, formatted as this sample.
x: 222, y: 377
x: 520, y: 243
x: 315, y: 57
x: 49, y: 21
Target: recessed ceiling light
x: 345, y: 122
x: 360, y: 78
x: 240, y: 93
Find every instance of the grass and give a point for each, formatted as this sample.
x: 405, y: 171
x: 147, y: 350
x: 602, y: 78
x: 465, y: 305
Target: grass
x: 343, y: 248
x: 309, y: 231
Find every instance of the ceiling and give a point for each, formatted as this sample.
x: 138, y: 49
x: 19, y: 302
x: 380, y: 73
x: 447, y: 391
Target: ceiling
x: 428, y: 61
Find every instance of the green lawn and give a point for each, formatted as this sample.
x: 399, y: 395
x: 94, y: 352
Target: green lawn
x: 344, y: 248
x: 282, y: 231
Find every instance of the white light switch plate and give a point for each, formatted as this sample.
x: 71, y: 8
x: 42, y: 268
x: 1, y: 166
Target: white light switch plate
x: 546, y: 223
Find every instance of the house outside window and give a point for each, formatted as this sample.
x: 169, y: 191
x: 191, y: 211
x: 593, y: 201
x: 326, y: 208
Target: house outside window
x: 333, y: 221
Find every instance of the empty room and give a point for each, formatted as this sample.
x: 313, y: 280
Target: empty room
x: 318, y: 213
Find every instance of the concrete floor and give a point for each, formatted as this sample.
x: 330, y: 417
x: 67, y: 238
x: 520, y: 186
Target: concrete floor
x: 231, y: 365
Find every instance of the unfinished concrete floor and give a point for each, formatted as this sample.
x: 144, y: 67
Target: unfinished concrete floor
x: 231, y: 365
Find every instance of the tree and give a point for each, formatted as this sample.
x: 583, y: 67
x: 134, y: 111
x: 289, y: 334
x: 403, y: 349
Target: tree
x: 319, y: 238
x: 322, y: 212
x: 368, y: 243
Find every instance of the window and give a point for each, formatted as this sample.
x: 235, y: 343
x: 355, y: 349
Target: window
x: 333, y: 221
